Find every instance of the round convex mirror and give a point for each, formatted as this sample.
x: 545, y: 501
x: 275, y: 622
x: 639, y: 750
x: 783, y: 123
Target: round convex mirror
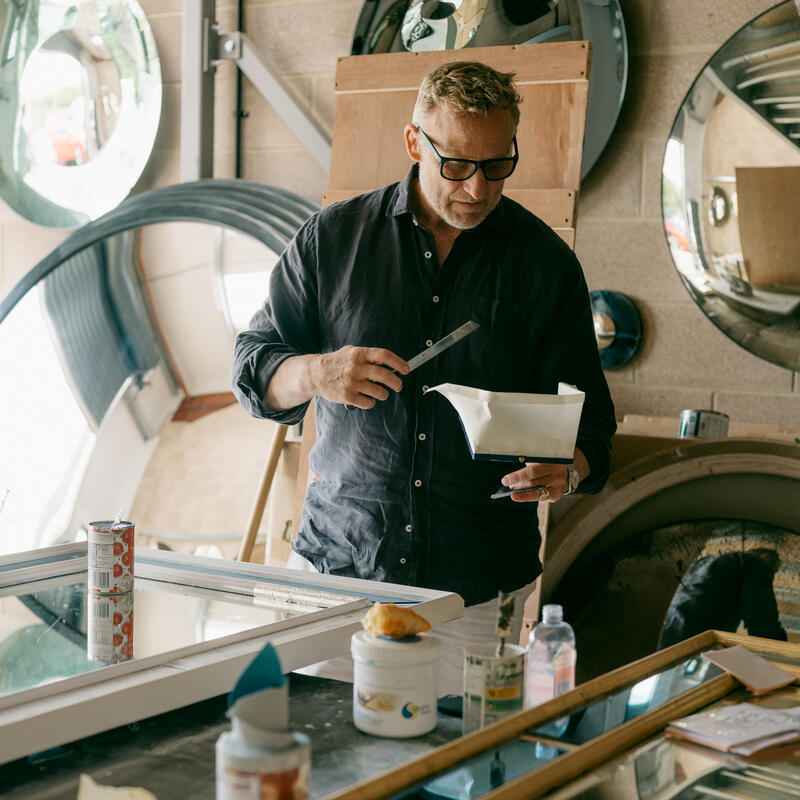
x: 731, y: 187
x: 82, y: 86
x: 420, y: 25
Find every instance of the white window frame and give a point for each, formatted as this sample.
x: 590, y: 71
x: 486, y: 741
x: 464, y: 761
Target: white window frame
x: 71, y: 708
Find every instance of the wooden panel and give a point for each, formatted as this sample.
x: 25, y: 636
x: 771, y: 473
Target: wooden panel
x: 550, y: 137
x: 532, y: 63
x: 770, y: 237
x: 554, y: 206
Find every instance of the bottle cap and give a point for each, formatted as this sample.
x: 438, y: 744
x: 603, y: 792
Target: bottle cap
x: 552, y: 613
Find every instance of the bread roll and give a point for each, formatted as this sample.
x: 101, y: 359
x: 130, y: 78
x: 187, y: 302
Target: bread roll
x: 387, y: 619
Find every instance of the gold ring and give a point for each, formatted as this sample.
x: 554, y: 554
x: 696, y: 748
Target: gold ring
x: 544, y: 493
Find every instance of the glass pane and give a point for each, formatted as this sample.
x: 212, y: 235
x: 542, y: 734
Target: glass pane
x: 56, y: 628
x: 479, y: 775
x: 632, y: 701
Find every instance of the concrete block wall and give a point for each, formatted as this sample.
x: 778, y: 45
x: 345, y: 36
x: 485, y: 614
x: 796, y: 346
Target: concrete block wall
x: 685, y: 361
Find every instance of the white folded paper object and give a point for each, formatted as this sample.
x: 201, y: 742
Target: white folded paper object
x: 514, y: 426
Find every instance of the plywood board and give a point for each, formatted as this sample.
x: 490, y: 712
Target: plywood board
x: 373, y: 153
x: 768, y: 199
x: 537, y: 63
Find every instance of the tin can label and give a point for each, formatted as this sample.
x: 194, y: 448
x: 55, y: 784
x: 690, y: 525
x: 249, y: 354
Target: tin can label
x: 494, y: 686
x: 110, y: 557
x: 110, y: 628
x: 290, y: 784
x: 698, y: 424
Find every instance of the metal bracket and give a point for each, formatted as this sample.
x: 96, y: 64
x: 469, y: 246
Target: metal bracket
x: 197, y: 90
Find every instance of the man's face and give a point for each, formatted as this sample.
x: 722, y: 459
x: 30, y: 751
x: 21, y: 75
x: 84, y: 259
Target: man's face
x: 459, y: 204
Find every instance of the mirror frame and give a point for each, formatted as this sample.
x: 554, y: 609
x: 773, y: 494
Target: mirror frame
x: 268, y: 214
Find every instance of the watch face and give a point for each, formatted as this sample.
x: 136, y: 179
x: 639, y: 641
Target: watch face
x: 573, y: 478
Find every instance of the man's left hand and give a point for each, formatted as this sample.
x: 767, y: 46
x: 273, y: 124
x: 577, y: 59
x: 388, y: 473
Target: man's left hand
x: 552, y: 478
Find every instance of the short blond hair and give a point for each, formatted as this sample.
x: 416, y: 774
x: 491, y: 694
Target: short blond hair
x: 465, y: 88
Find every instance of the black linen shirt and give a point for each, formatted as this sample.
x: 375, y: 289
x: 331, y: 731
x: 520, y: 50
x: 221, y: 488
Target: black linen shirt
x: 396, y: 495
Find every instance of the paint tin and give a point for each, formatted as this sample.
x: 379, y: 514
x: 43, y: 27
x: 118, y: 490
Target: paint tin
x: 702, y: 424
x: 494, y: 686
x: 110, y: 627
x: 256, y: 769
x: 110, y: 556
x: 395, y: 684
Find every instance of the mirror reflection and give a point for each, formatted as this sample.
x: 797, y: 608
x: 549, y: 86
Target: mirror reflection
x: 478, y: 776
x: 69, y: 98
x: 731, y: 575
x: 80, y: 101
x: 620, y: 707
x: 57, y: 628
x: 117, y: 339
x: 731, y: 188
x: 421, y: 25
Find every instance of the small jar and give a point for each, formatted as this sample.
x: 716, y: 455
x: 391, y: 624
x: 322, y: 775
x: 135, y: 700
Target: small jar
x: 395, y: 684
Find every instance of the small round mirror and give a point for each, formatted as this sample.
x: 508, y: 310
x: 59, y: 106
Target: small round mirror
x: 82, y: 92
x: 617, y: 328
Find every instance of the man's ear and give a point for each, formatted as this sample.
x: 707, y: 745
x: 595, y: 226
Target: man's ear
x: 412, y: 142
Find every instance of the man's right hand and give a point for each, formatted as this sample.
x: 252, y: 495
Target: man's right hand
x: 357, y: 376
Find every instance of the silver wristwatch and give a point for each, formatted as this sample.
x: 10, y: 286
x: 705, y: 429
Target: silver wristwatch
x: 573, y: 478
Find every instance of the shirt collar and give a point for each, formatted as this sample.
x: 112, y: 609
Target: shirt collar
x: 401, y: 204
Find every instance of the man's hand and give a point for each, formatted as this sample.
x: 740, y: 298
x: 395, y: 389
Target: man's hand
x: 552, y: 477
x: 357, y: 376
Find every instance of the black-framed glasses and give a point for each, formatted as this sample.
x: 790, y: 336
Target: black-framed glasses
x: 461, y: 169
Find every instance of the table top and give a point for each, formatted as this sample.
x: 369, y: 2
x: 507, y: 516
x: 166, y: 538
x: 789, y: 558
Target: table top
x: 172, y: 754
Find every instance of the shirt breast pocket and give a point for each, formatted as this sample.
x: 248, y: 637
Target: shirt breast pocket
x: 503, y: 347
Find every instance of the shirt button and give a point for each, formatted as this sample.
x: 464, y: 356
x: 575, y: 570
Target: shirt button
x: 424, y: 389
x: 417, y: 483
x: 422, y: 437
x: 428, y: 254
x: 435, y: 298
x: 408, y: 529
x: 402, y: 561
x: 428, y: 342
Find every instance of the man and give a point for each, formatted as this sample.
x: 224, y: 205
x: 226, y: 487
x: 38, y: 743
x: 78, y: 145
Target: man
x: 370, y: 282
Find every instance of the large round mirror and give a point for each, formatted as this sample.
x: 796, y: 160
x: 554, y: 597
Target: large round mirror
x: 125, y: 328
x: 417, y: 25
x: 731, y: 187
x: 80, y: 92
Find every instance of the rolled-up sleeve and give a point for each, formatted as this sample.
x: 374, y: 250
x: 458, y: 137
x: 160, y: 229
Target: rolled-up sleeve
x: 286, y: 325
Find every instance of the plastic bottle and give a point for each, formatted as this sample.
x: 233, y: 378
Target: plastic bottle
x: 551, y: 663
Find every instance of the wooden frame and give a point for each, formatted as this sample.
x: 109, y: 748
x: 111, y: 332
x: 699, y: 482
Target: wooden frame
x: 70, y: 708
x: 582, y: 758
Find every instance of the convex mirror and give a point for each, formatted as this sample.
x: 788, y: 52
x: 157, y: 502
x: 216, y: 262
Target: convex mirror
x: 386, y: 26
x: 731, y: 187
x: 80, y: 101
